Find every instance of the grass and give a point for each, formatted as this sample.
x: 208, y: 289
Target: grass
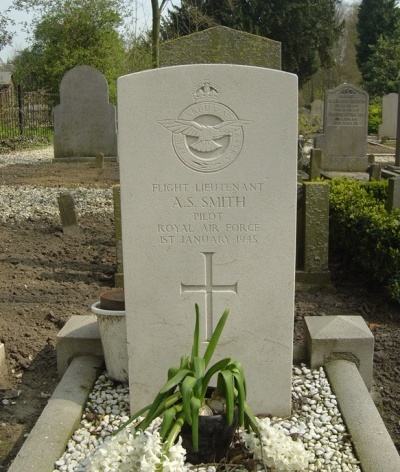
x: 25, y: 142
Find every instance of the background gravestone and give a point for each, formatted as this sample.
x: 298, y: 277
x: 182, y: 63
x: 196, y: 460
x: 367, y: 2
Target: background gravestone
x: 388, y: 127
x: 221, y: 45
x: 84, y: 121
x: 317, y: 111
x: 344, y: 142
x: 208, y: 195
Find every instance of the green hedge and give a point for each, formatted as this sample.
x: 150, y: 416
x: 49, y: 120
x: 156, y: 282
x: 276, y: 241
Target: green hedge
x: 362, y: 228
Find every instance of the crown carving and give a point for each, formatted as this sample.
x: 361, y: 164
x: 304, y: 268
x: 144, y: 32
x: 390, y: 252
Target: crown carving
x: 206, y: 91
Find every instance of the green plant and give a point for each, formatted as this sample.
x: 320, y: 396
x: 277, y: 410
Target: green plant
x: 361, y: 228
x: 183, y: 396
x: 374, y: 116
x: 309, y: 126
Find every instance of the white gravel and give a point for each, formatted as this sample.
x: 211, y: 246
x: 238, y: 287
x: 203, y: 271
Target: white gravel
x: 20, y: 203
x: 30, y: 156
x: 316, y: 422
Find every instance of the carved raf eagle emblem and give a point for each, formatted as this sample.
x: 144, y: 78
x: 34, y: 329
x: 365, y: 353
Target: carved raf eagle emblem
x: 207, y: 134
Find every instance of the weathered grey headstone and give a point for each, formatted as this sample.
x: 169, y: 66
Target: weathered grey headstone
x: 99, y: 160
x: 375, y: 173
x: 317, y: 111
x: 393, y: 193
x: 84, y: 121
x: 315, y: 163
x: 316, y: 226
x: 221, y: 45
x: 388, y: 127
x: 208, y: 216
x: 344, y: 142
x: 69, y: 221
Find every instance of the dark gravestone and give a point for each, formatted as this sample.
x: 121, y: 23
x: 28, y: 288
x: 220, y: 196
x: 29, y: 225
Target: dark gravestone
x: 84, y: 121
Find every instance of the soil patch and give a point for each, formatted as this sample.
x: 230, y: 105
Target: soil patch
x: 45, y: 277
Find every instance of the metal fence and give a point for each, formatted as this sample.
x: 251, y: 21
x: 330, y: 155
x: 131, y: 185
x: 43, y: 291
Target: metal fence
x: 25, y: 114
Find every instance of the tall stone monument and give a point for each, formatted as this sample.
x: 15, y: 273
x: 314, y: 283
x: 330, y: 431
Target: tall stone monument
x: 84, y: 121
x: 208, y: 189
x: 344, y: 142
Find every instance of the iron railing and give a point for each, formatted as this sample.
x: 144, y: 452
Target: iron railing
x: 25, y: 113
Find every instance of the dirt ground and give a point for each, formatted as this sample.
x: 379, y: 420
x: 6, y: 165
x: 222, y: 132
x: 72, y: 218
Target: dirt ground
x: 45, y: 277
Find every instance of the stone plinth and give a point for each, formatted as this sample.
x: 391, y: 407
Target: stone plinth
x: 80, y: 336
x: 342, y: 337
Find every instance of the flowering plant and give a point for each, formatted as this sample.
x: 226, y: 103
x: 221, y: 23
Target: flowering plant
x: 183, y: 397
x: 152, y: 443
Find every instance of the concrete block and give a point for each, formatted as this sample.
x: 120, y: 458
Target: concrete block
x: 342, y: 337
x: 79, y: 337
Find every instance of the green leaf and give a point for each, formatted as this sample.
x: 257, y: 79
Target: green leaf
x: 176, y: 379
x: 237, y: 368
x: 158, y: 409
x: 215, y: 337
x: 168, y: 420
x: 195, y: 405
x: 196, y: 335
x: 172, y: 371
x: 250, y: 421
x: 199, y: 367
x: 175, y: 430
x: 185, y: 362
x: 133, y: 418
x: 187, y: 393
x: 226, y: 379
x: 220, y: 365
x: 241, y: 396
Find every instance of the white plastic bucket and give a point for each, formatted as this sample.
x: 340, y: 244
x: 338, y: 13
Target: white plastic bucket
x: 112, y: 327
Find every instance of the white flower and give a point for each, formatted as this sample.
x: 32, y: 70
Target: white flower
x: 276, y: 449
x: 138, y: 452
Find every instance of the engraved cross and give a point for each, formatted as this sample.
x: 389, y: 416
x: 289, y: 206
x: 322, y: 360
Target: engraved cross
x: 208, y: 288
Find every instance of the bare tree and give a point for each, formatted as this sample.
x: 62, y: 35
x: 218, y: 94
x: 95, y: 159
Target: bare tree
x: 155, y: 32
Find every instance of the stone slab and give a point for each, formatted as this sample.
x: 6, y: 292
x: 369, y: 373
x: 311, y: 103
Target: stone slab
x: 370, y: 438
x: 60, y: 418
x: 208, y: 159
x: 79, y: 336
x: 330, y: 336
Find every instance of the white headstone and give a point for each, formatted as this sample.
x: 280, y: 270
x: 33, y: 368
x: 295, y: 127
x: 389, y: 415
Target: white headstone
x: 389, y: 116
x: 344, y: 142
x: 208, y: 188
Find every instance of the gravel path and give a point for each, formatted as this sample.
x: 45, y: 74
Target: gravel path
x: 19, y: 203
x: 29, y: 156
